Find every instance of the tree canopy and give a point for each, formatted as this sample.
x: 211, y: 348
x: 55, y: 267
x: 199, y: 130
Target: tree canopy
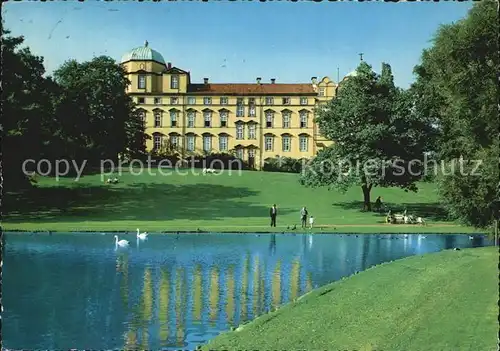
x: 457, y: 85
x: 379, y: 140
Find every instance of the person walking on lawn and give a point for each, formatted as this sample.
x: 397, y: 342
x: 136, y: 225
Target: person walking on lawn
x: 273, y: 212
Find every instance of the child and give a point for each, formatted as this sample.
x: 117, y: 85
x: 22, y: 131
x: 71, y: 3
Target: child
x: 311, y: 222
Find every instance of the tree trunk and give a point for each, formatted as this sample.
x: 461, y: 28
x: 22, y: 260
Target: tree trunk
x: 367, y: 205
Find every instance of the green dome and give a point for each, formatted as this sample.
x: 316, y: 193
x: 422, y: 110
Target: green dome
x: 143, y: 53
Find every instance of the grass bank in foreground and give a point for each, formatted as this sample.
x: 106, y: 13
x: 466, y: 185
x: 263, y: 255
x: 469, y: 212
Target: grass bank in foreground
x: 440, y: 301
x: 216, y: 203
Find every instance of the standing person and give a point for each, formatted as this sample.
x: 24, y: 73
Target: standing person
x: 311, y: 222
x: 378, y: 204
x: 303, y: 216
x: 273, y: 212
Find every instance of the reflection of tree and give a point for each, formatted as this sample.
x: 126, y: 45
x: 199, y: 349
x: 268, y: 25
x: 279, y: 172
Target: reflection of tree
x: 294, y: 278
x: 230, y: 295
x: 276, y: 285
x: 180, y: 305
x: 309, y: 285
x: 147, y: 307
x: 122, y: 267
x: 163, y: 305
x: 197, y: 294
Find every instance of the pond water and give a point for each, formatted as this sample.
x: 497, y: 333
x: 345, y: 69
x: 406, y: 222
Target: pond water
x: 173, y: 292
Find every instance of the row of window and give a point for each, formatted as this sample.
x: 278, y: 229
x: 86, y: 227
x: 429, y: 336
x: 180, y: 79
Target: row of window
x: 269, y: 141
x: 207, y: 119
x: 207, y: 100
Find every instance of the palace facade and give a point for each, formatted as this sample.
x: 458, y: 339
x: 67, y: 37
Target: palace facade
x: 253, y: 121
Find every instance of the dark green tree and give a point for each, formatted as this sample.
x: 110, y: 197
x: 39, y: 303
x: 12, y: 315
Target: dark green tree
x: 379, y: 140
x: 457, y: 85
x: 97, y: 116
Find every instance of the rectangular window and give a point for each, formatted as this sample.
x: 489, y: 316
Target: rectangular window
x: 269, y: 100
x: 173, y: 119
x: 240, y: 111
x: 286, y: 101
x: 190, y: 115
x: 239, y: 131
x: 239, y: 153
x: 251, y: 153
x: 207, y: 143
x: 303, y: 101
x: 141, y: 83
x: 191, y: 100
x: 269, y: 119
x: 141, y: 100
x: 207, y: 117
x: 174, y: 141
x: 251, y: 131
x: 157, y: 119
x: 223, y: 119
x: 207, y: 100
x: 251, y: 111
x: 286, y: 143
x: 174, y: 82
x: 190, y: 143
x: 269, y: 143
x: 240, y: 101
x: 303, y: 143
x: 321, y: 91
x: 157, y: 142
x: 174, y: 101
x: 286, y: 119
x: 142, y: 116
x: 157, y: 101
x: 303, y: 119
x: 223, y: 100
x: 223, y: 143
x: 251, y: 101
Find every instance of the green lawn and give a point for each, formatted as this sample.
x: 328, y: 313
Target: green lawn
x: 221, y: 203
x: 440, y: 301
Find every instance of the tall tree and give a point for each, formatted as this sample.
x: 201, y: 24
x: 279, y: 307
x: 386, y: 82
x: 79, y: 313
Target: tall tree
x: 378, y: 138
x: 26, y: 109
x: 457, y: 85
x: 98, y: 117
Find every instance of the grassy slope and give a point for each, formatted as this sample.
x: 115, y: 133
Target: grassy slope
x: 442, y: 301
x: 212, y: 202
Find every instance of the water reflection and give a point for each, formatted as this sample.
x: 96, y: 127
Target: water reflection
x: 75, y: 291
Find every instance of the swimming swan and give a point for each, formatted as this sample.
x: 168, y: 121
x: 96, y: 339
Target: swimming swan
x: 141, y: 236
x: 122, y: 243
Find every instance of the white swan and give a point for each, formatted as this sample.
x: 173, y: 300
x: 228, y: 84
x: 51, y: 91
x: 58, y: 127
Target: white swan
x: 141, y: 236
x: 122, y: 243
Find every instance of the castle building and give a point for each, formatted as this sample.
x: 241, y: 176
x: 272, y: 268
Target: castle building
x: 254, y: 121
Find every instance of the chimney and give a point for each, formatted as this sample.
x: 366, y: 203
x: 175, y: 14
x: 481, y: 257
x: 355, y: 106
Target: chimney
x: 273, y: 80
x: 205, y: 81
x: 314, y: 80
x: 258, y: 80
x: 169, y: 65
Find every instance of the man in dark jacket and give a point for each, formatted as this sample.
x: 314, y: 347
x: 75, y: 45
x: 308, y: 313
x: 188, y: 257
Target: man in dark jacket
x: 273, y: 212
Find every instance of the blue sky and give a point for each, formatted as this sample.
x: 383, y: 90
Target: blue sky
x: 235, y: 42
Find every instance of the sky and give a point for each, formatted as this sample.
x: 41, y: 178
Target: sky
x: 235, y: 42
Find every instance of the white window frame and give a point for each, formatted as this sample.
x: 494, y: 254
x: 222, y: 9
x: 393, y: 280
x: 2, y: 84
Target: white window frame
x: 240, y: 131
x: 191, y: 119
x: 191, y: 100
x: 304, y: 116
x: 303, y: 143
x: 287, y: 116
x: 174, y: 81
x: 173, y: 119
x: 269, y: 101
x: 224, y: 100
x: 223, y: 142
x: 157, y: 142
x: 174, y: 141
x: 286, y: 143
x: 157, y: 100
x: 142, y: 116
x: 174, y: 100
x: 286, y: 101
x: 304, y: 101
x: 268, y: 143
x: 252, y: 131
x: 269, y: 118
x: 141, y: 81
x: 207, y: 117
x: 190, y: 143
x: 207, y: 146
x: 322, y: 92
x: 158, y: 119
x: 224, y: 117
x: 239, y: 153
x: 252, y: 111
x: 207, y: 100
x: 240, y: 111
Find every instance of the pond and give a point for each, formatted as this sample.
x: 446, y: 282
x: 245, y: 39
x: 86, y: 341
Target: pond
x: 173, y: 291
